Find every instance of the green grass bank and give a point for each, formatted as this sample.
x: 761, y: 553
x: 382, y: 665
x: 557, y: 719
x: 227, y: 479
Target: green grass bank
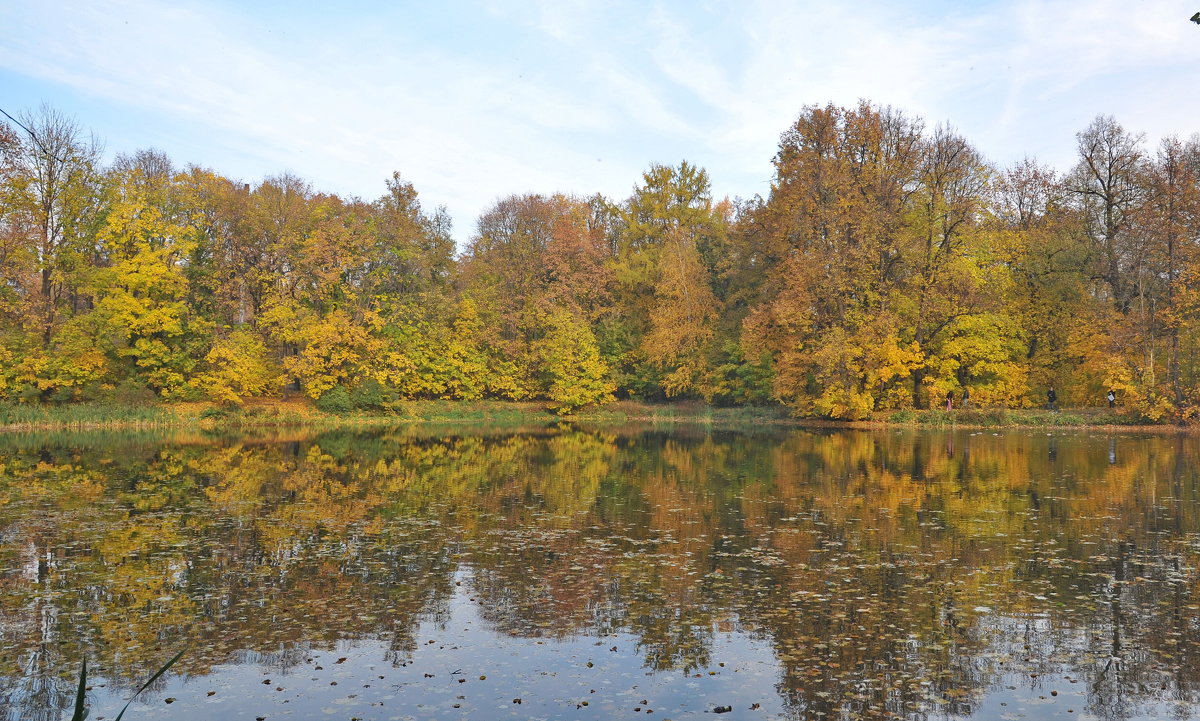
x: 301, y: 413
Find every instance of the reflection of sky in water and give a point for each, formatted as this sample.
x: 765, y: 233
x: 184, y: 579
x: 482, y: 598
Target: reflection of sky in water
x: 550, y: 677
x: 1038, y: 671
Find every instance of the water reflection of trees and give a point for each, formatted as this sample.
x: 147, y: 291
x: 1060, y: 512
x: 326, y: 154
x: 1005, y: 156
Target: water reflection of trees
x: 895, y: 574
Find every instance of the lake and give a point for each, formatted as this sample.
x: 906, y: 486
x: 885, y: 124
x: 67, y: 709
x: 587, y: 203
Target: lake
x: 574, y: 573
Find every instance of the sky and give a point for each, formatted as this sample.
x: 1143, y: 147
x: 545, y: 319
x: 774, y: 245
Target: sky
x: 473, y: 101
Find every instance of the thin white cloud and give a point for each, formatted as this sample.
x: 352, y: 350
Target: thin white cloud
x: 580, y: 96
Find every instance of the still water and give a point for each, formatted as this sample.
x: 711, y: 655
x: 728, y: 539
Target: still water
x: 592, y: 574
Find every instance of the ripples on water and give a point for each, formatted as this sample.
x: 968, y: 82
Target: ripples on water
x: 585, y: 574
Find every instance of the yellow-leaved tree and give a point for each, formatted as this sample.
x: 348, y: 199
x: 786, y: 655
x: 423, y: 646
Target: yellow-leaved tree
x: 465, y: 371
x: 571, y: 363
x: 682, y: 316
x: 72, y: 362
x: 143, y: 294
x: 982, y: 353
x: 239, y: 366
x: 332, y: 349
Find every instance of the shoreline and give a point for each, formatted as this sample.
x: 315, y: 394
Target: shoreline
x: 301, y: 414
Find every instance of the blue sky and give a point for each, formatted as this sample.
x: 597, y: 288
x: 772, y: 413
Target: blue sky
x: 474, y: 101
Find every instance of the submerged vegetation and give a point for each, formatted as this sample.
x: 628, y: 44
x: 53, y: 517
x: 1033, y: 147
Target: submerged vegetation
x: 889, y: 265
x: 80, y: 711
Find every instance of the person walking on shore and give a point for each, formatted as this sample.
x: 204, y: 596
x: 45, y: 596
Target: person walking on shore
x: 949, y: 400
x: 1112, y: 398
x: 966, y: 399
x: 1052, y: 399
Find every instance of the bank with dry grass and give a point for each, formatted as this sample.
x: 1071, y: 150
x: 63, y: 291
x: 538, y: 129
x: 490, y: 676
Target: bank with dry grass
x: 299, y: 412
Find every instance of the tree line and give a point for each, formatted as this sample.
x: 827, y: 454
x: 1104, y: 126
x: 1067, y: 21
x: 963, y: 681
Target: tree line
x: 889, y: 265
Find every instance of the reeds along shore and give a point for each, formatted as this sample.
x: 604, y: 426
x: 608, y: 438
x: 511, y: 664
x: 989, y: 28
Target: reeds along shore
x: 300, y: 414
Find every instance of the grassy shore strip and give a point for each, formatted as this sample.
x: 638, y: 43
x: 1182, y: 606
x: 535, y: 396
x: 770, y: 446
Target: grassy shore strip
x: 1101, y: 418
x: 1092, y: 418
x: 268, y: 413
x: 297, y: 413
x: 85, y: 416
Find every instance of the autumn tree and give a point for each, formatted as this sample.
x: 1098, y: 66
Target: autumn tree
x: 669, y: 231
x: 56, y: 188
x: 239, y: 366
x: 532, y: 257
x: 412, y: 252
x: 570, y: 359
x: 960, y: 283
x: 834, y: 238
x: 1033, y: 231
x: 1107, y: 183
x: 141, y: 289
x: 1170, y: 222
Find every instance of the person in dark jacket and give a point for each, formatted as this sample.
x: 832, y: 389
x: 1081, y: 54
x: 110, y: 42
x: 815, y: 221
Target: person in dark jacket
x: 966, y: 399
x: 1052, y: 399
x: 1112, y: 398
